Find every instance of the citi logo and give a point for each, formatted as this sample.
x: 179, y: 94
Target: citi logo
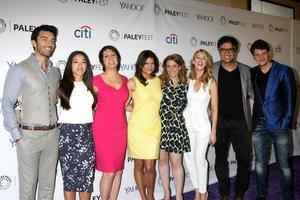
x: 172, y: 39
x: 2, y: 25
x: 258, y: 26
x: 176, y: 13
x: 205, y: 18
x: 83, y: 32
x: 131, y: 6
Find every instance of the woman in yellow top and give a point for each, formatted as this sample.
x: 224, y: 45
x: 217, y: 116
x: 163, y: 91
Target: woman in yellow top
x: 144, y: 125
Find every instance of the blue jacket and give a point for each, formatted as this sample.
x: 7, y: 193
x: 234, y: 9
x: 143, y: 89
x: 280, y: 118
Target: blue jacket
x: 278, y: 105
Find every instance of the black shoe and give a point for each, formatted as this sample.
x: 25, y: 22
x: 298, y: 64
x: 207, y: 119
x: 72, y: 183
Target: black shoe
x: 260, y: 197
x: 224, y: 198
x: 238, y: 198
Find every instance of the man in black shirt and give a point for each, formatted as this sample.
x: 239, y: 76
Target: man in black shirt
x: 234, y: 91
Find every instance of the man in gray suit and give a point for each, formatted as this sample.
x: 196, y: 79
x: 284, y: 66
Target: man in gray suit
x: 234, y: 89
x: 34, y: 82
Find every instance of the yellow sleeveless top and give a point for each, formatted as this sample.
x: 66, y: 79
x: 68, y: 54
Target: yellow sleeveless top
x: 144, y: 125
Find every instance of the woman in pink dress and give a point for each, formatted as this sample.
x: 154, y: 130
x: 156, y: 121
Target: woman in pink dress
x: 110, y: 124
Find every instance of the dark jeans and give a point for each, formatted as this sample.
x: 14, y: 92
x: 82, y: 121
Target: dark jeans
x: 262, y: 146
x: 234, y: 132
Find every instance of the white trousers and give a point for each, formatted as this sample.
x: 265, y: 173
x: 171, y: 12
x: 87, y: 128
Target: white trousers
x: 195, y: 160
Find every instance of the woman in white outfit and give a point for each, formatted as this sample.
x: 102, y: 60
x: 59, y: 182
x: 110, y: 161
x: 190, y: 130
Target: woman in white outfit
x: 202, y: 131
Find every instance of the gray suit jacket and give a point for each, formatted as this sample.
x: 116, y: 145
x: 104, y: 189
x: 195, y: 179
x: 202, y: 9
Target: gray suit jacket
x: 247, y: 91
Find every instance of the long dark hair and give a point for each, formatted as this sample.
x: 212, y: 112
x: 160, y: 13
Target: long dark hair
x: 67, y: 83
x: 141, y: 61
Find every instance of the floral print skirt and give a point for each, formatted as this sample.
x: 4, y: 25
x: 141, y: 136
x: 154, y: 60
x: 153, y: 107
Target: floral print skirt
x: 77, y: 157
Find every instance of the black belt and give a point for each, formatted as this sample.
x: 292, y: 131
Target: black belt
x: 38, y: 128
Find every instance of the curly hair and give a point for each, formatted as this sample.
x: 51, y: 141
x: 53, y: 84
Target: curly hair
x: 182, y: 72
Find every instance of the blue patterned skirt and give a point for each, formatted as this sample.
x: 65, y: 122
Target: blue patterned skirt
x: 77, y: 157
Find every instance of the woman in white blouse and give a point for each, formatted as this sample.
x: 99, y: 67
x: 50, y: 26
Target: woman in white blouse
x: 76, y: 147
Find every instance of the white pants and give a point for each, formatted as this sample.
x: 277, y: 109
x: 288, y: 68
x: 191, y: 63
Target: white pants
x: 196, y: 162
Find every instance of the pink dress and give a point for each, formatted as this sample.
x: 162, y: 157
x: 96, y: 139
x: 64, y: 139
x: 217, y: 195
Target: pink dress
x: 110, y: 126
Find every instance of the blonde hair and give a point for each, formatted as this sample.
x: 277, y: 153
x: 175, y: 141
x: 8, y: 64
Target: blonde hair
x: 207, y: 73
x: 164, y: 77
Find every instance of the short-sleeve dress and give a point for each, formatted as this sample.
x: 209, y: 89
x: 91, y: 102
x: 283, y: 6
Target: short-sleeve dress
x: 110, y: 126
x: 144, y: 124
x: 174, y: 135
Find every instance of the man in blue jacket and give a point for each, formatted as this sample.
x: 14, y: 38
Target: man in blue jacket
x: 274, y: 102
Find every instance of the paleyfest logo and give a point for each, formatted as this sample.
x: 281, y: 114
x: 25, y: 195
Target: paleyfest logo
x: 61, y: 65
x: 273, y: 28
x: 5, y: 182
x: 157, y: 9
x: 2, y: 25
x: 93, y: 2
x: 193, y: 41
x: 114, y: 35
x: 223, y: 20
x: 249, y: 45
x: 297, y: 50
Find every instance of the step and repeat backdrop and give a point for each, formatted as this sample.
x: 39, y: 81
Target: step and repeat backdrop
x: 164, y: 26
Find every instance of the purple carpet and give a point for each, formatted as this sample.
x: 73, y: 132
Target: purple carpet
x: 274, y: 184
